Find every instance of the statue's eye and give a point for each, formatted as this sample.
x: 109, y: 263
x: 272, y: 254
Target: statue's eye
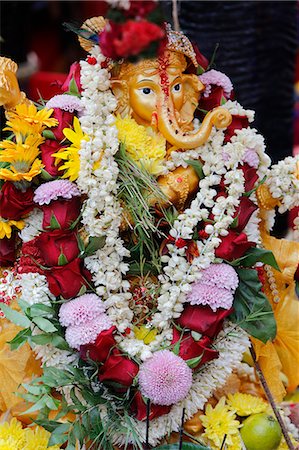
x: 146, y: 90
x: 177, y: 87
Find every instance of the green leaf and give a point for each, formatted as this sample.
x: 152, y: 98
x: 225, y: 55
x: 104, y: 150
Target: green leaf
x: 197, y: 166
x: 46, y: 176
x: 252, y: 310
x: 54, y: 224
x: 200, y: 70
x: 94, y: 244
x: 255, y: 255
x: 185, y: 446
x: 48, y: 134
x: 15, y: 317
x: 23, y: 305
x: 40, y: 404
x: 39, y: 309
x: 44, y: 324
x: 20, y: 339
x: 62, y: 259
x: 49, y: 425
x: 193, y: 362
x: 73, y: 88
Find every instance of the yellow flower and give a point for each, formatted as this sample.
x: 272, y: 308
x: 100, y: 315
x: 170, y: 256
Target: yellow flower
x: 143, y: 144
x: 27, y: 119
x: 71, y: 154
x: 145, y: 334
x: 21, y: 155
x: 37, y: 439
x: 284, y: 446
x: 9, y: 444
x: 12, y: 433
x: 246, y: 404
x: 218, y: 422
x: 6, y: 227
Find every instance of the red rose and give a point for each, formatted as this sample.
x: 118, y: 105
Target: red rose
x: 119, y: 40
x: 238, y: 122
x: 138, y: 408
x: 14, y: 203
x: 213, y: 100
x: 47, y: 149
x: 244, y: 211
x: 65, y: 211
x: 233, y: 246
x: 67, y: 280
x: 52, y: 244
x: 189, y: 348
x: 31, y: 259
x: 250, y: 176
x: 65, y: 120
x: 100, y: 350
x: 118, y: 369
x: 140, y: 8
x: 7, y: 251
x: 73, y: 73
x: 203, y: 319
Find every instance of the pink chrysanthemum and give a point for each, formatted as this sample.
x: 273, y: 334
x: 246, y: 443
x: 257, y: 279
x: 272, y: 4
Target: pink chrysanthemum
x: 81, y: 310
x: 212, y: 296
x: 251, y: 158
x: 214, y: 77
x: 47, y: 192
x: 66, y: 102
x: 165, y: 378
x: 222, y: 275
x: 87, y: 333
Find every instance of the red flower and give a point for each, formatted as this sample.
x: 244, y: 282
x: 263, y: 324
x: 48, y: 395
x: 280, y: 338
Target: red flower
x: 7, y: 251
x: 31, y: 258
x: 191, y: 251
x: 100, y: 350
x: 118, y: 369
x: 189, y: 348
x: 47, y: 149
x: 250, y: 176
x: 67, y: 280
x: 213, y: 100
x: 238, y: 122
x: 233, y: 246
x: 203, y: 319
x: 129, y: 39
x: 66, y: 211
x: 65, y: 120
x: 15, y: 204
x: 52, y: 244
x: 200, y: 58
x: 244, y: 211
x: 138, y: 408
x: 140, y: 8
x: 73, y: 73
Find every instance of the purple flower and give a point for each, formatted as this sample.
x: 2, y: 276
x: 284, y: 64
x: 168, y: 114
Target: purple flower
x: 213, y: 296
x: 47, y: 192
x: 222, y: 275
x: 251, y: 158
x: 81, y: 310
x: 66, y: 102
x: 214, y: 77
x: 87, y: 332
x: 165, y: 378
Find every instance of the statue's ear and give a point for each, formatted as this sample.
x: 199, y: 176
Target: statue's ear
x: 121, y: 91
x: 192, y: 87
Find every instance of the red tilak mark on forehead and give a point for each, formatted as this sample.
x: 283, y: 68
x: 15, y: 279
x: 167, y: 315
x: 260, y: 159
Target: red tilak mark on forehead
x: 164, y: 80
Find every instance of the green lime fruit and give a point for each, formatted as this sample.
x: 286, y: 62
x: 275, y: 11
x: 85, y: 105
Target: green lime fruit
x: 261, y: 432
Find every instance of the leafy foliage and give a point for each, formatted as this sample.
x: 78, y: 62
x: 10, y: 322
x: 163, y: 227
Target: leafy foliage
x: 254, y: 255
x: 185, y: 446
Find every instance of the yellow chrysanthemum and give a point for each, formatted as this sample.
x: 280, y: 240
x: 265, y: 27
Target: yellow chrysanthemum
x: 27, y: 119
x: 37, y: 439
x: 71, y: 154
x: 246, y: 404
x: 284, y: 446
x: 145, y: 334
x: 218, y: 422
x: 21, y: 155
x: 6, y: 227
x: 143, y: 144
x: 12, y: 434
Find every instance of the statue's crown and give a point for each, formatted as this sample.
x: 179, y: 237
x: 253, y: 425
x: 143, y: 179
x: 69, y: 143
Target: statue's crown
x: 178, y: 42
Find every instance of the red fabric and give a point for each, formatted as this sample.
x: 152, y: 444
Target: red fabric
x: 45, y: 85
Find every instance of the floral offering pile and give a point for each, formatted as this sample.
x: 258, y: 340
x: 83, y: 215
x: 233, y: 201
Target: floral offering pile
x: 139, y: 311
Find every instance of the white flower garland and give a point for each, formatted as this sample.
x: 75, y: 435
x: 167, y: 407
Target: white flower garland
x: 33, y: 225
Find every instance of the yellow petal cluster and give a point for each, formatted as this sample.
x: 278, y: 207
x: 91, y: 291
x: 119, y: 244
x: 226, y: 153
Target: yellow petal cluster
x: 26, y: 119
x: 14, y: 437
x: 145, y: 334
x: 218, y: 422
x: 6, y: 227
x: 144, y: 146
x: 246, y: 404
x: 70, y: 155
